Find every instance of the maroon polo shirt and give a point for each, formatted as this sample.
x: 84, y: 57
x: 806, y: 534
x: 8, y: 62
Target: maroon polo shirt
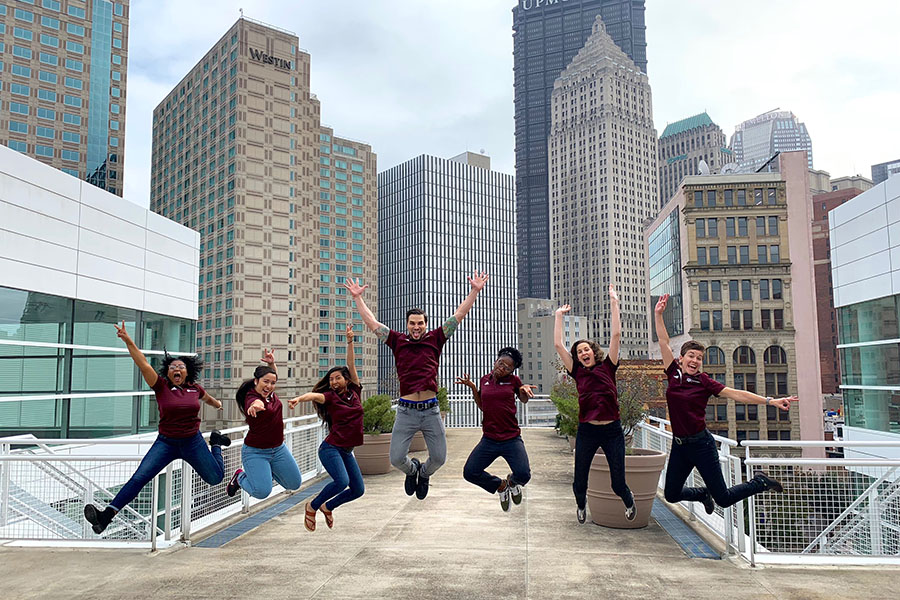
x: 598, y: 399
x: 498, y: 405
x: 267, y: 427
x: 417, y: 360
x: 179, y: 408
x: 687, y: 396
x: 346, y: 414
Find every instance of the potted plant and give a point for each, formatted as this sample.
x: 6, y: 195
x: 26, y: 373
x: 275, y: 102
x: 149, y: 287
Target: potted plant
x: 638, y: 383
x: 565, y: 398
x: 374, y: 455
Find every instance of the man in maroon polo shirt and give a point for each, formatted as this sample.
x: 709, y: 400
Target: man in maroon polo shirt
x: 416, y: 354
x: 692, y: 443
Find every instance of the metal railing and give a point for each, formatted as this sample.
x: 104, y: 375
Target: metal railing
x: 45, y: 483
x: 537, y: 412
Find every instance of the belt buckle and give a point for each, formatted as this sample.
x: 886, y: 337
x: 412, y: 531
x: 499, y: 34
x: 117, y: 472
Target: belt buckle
x: 678, y: 440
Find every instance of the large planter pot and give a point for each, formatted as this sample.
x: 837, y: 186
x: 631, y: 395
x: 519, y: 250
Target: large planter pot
x: 571, y: 439
x: 374, y: 456
x: 418, y: 443
x: 642, y: 471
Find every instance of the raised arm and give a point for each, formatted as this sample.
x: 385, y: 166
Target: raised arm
x: 751, y: 398
x: 351, y: 355
x: 477, y: 281
x: 150, y: 376
x: 558, y: 342
x: 615, y: 334
x: 661, y: 333
x: 467, y: 381
x: 356, y: 290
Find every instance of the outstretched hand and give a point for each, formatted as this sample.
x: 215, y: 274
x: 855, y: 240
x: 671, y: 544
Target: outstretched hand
x: 268, y: 356
x: 528, y: 389
x: 563, y: 309
x: 349, y: 333
x: 256, y: 407
x: 477, y: 280
x: 612, y: 293
x: 661, y: 304
x: 465, y: 380
x: 293, y: 402
x: 784, y: 403
x: 122, y: 332
x: 353, y: 286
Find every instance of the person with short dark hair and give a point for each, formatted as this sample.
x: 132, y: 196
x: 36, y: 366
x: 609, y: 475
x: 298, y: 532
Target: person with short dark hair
x: 693, y: 445
x: 496, y: 397
x: 264, y: 454
x: 336, y: 399
x: 598, y: 408
x: 416, y: 354
x: 178, y: 397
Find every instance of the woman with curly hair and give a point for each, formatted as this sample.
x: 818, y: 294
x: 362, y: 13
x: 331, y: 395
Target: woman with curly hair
x: 178, y: 398
x: 598, y: 408
x: 336, y: 399
x: 496, y: 397
x: 264, y: 454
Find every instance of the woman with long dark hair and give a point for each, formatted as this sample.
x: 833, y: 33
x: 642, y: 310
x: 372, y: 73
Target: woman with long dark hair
x: 496, y: 397
x: 336, y: 398
x: 178, y: 397
x: 264, y: 454
x: 598, y: 408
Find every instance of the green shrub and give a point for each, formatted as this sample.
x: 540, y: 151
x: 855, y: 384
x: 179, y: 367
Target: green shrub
x: 443, y: 401
x: 565, y: 398
x: 378, y: 416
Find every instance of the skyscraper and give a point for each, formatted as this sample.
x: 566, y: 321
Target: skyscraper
x: 546, y: 36
x: 62, y: 81
x: 682, y: 145
x: 882, y: 171
x: 438, y: 220
x: 755, y: 141
x: 239, y: 154
x: 603, y: 186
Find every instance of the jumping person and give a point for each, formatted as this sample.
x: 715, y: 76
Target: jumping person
x: 496, y: 397
x: 178, y: 398
x: 692, y: 443
x: 336, y: 399
x: 416, y: 355
x: 264, y: 454
x: 598, y: 408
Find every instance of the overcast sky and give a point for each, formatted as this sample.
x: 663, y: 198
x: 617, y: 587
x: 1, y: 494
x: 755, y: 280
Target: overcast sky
x: 435, y: 76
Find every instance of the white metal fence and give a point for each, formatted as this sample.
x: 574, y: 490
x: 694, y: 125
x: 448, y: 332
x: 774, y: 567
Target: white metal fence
x: 537, y: 412
x: 45, y: 483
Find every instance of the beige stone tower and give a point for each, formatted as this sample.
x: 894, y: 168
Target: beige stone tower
x: 603, y: 186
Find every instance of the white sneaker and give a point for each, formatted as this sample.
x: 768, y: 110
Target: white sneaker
x: 581, y: 515
x: 504, y: 499
x: 515, y: 490
x: 631, y: 511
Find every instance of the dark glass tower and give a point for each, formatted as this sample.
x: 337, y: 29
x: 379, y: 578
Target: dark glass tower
x: 546, y: 36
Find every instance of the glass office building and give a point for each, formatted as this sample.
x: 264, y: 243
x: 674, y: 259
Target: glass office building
x: 63, y: 68
x: 664, y: 272
x: 64, y: 372
x: 546, y: 37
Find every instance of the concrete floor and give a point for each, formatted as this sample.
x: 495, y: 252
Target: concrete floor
x: 455, y: 544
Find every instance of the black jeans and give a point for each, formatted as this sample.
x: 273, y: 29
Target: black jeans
x: 589, y: 439
x: 702, y: 453
x: 486, y: 452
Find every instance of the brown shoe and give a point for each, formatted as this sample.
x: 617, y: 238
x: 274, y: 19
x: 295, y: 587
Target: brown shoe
x: 309, y: 519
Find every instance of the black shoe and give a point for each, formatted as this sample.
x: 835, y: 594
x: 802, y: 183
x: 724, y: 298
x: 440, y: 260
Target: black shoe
x: 412, y: 481
x: 768, y: 482
x: 217, y: 439
x: 708, y: 503
x: 631, y: 511
x: 581, y: 515
x: 99, y: 519
x: 422, y: 487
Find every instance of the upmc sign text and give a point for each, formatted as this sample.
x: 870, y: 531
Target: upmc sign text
x: 268, y: 59
x: 529, y: 4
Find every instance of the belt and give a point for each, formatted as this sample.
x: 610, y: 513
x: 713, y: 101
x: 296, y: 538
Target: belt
x: 690, y: 439
x: 420, y: 405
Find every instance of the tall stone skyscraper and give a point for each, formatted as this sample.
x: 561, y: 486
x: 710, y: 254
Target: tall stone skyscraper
x: 62, y: 85
x: 546, y: 36
x: 285, y: 209
x: 603, y: 186
x: 682, y: 145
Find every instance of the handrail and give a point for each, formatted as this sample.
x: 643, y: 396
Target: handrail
x: 718, y: 438
x: 837, y: 462
x: 819, y: 444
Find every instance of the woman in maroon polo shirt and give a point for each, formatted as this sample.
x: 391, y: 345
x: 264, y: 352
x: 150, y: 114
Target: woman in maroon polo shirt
x: 496, y: 397
x: 264, y: 454
x: 178, y: 398
x: 598, y: 408
x: 336, y: 398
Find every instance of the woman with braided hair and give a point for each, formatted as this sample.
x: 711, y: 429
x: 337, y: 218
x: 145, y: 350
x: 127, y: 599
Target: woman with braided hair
x: 496, y: 397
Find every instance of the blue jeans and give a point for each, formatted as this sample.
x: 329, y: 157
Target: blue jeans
x: 193, y: 450
x: 347, y: 482
x: 703, y: 454
x: 486, y: 452
x: 262, y: 464
x: 590, y: 438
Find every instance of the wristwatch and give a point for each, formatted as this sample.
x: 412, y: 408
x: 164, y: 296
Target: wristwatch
x: 769, y: 399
